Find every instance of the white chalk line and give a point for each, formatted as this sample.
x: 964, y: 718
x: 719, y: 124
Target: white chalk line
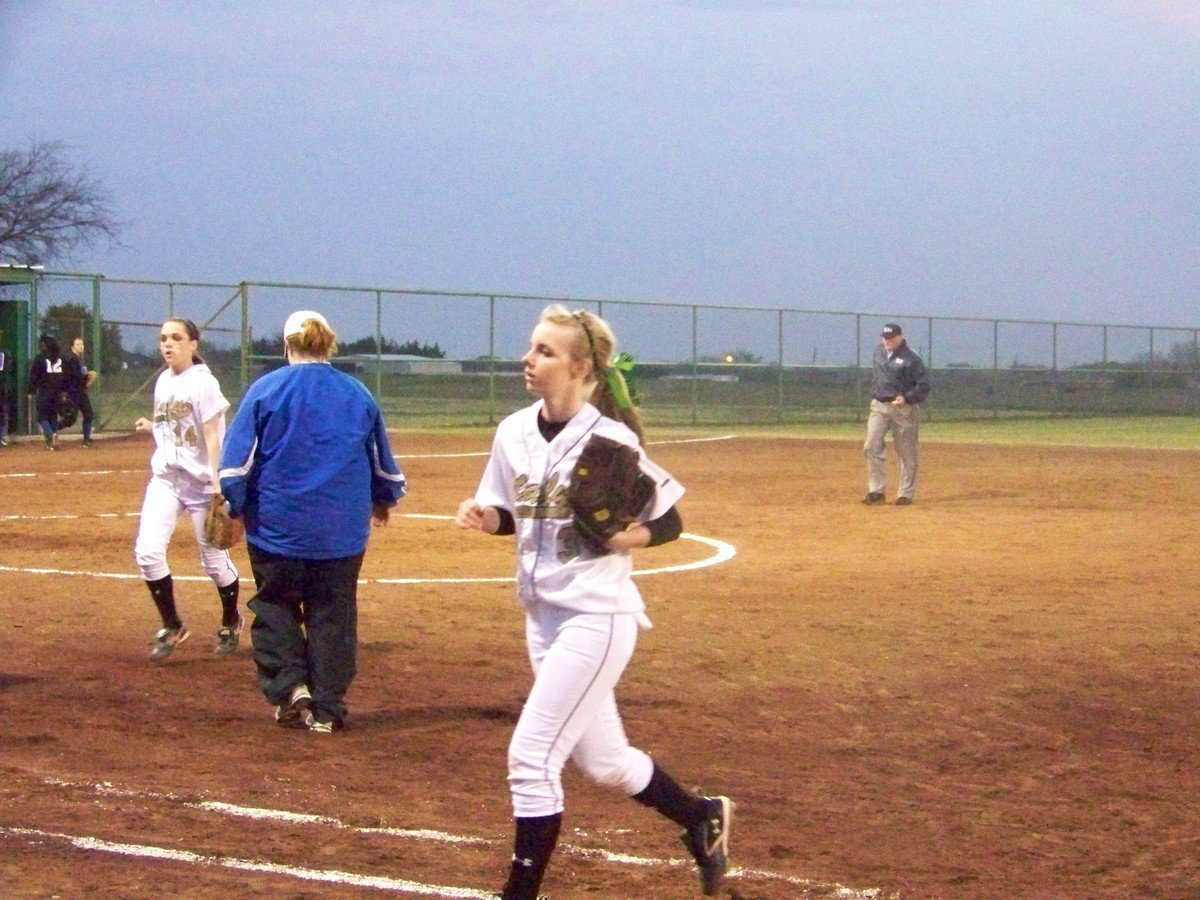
x: 475, y: 453
x: 380, y: 882
x: 332, y: 876
x: 723, y: 553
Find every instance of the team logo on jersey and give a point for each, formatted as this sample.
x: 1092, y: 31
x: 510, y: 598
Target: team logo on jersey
x: 538, y: 501
x: 173, y: 412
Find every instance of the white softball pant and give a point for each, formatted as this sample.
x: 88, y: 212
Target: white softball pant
x: 165, y: 499
x: 571, y: 712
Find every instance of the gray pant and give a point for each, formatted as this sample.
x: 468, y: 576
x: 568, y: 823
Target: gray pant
x: 903, y: 422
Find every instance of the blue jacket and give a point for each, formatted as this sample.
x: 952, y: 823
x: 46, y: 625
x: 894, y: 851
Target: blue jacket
x: 305, y: 459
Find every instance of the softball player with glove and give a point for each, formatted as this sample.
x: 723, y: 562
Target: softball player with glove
x: 188, y: 427
x: 582, y: 608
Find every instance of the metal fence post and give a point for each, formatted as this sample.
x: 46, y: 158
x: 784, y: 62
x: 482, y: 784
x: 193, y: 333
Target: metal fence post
x: 379, y: 346
x: 1150, y: 368
x: 929, y: 356
x: 244, y: 372
x: 34, y: 346
x: 695, y: 367
x: 95, y: 339
x: 95, y: 335
x: 995, y: 368
x: 1060, y: 401
x: 491, y: 360
x: 858, y: 369
x: 779, y: 406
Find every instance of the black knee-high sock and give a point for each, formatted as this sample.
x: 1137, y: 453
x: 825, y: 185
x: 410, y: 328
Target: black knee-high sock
x: 229, y: 603
x: 664, y: 794
x: 535, y: 840
x: 163, y: 592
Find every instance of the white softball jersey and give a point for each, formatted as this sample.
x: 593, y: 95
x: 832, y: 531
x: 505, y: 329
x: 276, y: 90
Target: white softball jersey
x: 181, y: 478
x: 182, y: 404
x: 528, y: 476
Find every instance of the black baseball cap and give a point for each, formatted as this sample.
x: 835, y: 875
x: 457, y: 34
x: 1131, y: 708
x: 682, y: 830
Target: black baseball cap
x: 891, y: 330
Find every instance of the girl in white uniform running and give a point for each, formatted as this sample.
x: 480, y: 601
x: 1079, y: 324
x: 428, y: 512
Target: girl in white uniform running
x: 582, y: 611
x: 188, y: 427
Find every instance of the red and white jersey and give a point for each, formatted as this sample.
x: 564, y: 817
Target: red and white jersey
x: 528, y: 476
x: 182, y: 404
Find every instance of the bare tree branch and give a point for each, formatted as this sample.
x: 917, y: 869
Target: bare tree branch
x: 48, y: 208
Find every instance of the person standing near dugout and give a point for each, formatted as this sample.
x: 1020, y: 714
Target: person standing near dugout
x: 78, y: 379
x: 188, y: 425
x: 901, y: 384
x: 582, y: 609
x: 46, y: 383
x: 308, y: 468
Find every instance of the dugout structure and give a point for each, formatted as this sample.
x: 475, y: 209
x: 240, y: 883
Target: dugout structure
x: 18, y: 296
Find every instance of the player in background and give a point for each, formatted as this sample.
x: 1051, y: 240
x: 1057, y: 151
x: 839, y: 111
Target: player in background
x: 582, y: 611
x: 308, y: 467
x: 78, y: 379
x: 188, y: 425
x: 46, y: 383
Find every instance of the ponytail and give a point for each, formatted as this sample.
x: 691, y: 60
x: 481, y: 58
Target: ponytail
x: 613, y: 394
x: 314, y: 340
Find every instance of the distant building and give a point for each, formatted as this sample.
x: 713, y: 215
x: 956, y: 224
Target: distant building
x: 400, y: 364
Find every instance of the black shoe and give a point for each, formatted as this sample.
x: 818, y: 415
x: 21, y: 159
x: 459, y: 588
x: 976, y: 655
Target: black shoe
x: 873, y: 497
x: 709, y: 842
x: 904, y: 501
x: 88, y: 442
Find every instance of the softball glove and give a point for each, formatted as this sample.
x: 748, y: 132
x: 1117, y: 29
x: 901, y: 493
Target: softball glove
x: 607, y: 491
x: 220, y: 529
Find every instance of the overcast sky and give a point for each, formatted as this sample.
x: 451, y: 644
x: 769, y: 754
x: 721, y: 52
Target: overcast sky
x: 1013, y: 158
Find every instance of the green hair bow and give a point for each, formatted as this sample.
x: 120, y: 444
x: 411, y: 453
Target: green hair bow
x: 620, y: 382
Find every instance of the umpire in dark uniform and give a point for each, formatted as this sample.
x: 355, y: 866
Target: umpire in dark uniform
x: 901, y: 384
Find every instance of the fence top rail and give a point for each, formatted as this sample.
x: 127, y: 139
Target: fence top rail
x: 86, y: 276
x: 568, y: 298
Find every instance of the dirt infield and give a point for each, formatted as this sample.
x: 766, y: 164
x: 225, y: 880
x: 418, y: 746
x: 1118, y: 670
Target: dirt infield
x: 992, y: 693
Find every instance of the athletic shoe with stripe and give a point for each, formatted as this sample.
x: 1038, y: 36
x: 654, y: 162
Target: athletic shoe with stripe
x: 295, y: 714
x: 227, y: 637
x: 166, y: 640
x: 708, y: 840
x: 322, y: 727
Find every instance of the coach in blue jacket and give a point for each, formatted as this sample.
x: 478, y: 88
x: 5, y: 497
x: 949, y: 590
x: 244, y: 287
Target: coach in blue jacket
x: 901, y: 384
x: 307, y: 466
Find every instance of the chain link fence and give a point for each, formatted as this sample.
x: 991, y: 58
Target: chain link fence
x: 443, y: 358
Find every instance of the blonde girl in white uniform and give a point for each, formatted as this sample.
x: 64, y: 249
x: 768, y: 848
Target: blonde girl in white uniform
x: 188, y: 426
x: 582, y: 611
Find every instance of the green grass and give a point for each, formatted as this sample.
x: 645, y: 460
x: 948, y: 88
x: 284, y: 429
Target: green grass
x: 461, y: 403
x: 1157, y: 432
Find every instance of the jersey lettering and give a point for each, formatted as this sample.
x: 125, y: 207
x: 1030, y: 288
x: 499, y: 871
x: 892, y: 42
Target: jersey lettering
x: 173, y: 412
x: 535, y: 501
